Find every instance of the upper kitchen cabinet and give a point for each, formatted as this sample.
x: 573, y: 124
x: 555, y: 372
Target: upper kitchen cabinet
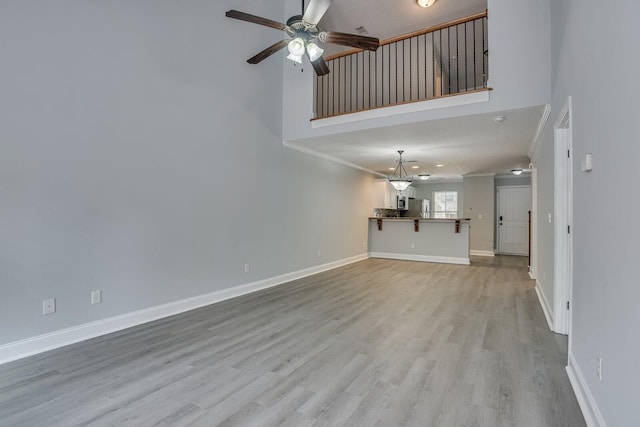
x: 384, y: 195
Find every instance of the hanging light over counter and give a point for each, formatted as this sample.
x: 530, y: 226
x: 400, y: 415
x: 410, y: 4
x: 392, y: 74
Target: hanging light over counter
x: 400, y: 179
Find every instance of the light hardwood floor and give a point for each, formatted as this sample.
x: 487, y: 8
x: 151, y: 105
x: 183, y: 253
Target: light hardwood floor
x: 376, y: 343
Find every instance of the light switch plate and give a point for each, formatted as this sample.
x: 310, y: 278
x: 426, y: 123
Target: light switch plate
x: 587, y: 163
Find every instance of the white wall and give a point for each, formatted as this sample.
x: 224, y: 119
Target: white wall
x: 597, y: 68
x: 141, y: 155
x: 519, y: 64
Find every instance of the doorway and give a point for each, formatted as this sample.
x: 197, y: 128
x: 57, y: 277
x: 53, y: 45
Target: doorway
x: 514, y: 204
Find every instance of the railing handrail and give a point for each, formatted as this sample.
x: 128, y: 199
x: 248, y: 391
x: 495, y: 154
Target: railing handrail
x: 413, y: 34
x: 434, y: 62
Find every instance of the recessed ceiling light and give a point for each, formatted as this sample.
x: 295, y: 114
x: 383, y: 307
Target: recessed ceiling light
x: 415, y: 167
x: 439, y: 166
x: 498, y: 119
x: 392, y: 169
x: 516, y: 171
x: 424, y: 176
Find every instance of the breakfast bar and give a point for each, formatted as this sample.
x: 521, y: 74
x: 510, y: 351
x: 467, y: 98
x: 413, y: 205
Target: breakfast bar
x: 420, y: 239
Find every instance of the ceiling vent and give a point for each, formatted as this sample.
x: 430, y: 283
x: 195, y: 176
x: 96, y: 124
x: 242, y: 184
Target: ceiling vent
x: 362, y: 30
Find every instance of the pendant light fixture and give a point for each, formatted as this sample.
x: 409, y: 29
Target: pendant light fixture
x: 425, y: 3
x: 400, y: 179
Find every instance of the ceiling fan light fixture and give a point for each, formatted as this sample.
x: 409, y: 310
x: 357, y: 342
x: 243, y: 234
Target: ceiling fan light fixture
x: 425, y: 3
x: 314, y: 51
x: 295, y: 58
x: 296, y: 47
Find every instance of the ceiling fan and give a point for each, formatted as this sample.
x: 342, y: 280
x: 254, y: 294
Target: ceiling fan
x: 304, y: 33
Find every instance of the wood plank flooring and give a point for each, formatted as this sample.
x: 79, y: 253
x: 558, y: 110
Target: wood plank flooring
x: 376, y: 343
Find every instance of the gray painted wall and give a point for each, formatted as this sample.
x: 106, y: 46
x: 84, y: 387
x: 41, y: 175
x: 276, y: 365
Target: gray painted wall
x: 425, y: 191
x: 605, y: 274
x: 505, y: 181
x: 479, y: 203
x: 143, y: 156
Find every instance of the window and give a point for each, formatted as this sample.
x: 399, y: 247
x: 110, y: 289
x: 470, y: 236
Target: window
x: 445, y: 204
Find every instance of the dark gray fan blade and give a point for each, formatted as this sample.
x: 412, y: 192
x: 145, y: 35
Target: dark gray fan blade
x: 268, y: 52
x: 315, y: 11
x: 235, y: 14
x: 353, y: 40
x: 320, y: 66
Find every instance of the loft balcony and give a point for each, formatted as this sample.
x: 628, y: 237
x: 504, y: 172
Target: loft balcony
x: 438, y: 73
x: 436, y: 62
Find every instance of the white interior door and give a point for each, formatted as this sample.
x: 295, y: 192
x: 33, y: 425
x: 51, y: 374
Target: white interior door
x: 514, y: 204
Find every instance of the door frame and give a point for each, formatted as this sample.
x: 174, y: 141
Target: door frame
x: 498, y: 188
x: 533, y: 267
x: 563, y: 211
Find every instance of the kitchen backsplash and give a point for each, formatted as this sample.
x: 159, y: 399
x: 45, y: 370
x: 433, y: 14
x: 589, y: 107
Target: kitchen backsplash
x: 386, y: 213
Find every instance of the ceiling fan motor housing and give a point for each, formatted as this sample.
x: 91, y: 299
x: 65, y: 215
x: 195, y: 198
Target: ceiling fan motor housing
x: 296, y: 27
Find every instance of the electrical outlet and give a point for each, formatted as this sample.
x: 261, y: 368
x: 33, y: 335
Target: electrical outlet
x: 49, y: 306
x: 318, y: 254
x: 246, y: 268
x: 549, y: 218
x: 599, y: 367
x: 96, y: 296
x: 479, y: 216
x: 413, y: 246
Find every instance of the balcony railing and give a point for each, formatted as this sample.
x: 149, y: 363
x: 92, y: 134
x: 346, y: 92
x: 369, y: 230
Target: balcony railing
x: 443, y: 60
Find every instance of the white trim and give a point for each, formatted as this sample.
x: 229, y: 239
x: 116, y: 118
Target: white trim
x: 309, y: 151
x: 412, y: 107
x: 475, y: 175
x: 544, y: 303
x: 533, y: 251
x: 421, y: 258
x: 562, y: 202
x: 590, y: 410
x: 41, y: 343
x: 481, y: 253
x: 539, y: 130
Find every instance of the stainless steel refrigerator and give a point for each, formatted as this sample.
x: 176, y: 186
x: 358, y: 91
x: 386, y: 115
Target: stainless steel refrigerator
x: 418, y: 208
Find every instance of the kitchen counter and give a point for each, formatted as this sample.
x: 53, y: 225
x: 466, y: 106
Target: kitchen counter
x: 444, y: 240
x: 412, y: 218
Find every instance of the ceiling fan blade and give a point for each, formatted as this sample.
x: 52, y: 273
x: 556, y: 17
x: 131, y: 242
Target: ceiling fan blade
x: 268, y: 52
x: 352, y: 40
x: 315, y: 11
x: 235, y: 14
x: 319, y: 66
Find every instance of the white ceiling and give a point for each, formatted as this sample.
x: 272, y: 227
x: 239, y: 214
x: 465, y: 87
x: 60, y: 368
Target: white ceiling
x: 464, y: 145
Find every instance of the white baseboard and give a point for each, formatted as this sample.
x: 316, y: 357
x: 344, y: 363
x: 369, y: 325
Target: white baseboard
x: 544, y: 303
x: 590, y: 411
x: 41, y: 343
x: 481, y: 253
x: 421, y: 258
